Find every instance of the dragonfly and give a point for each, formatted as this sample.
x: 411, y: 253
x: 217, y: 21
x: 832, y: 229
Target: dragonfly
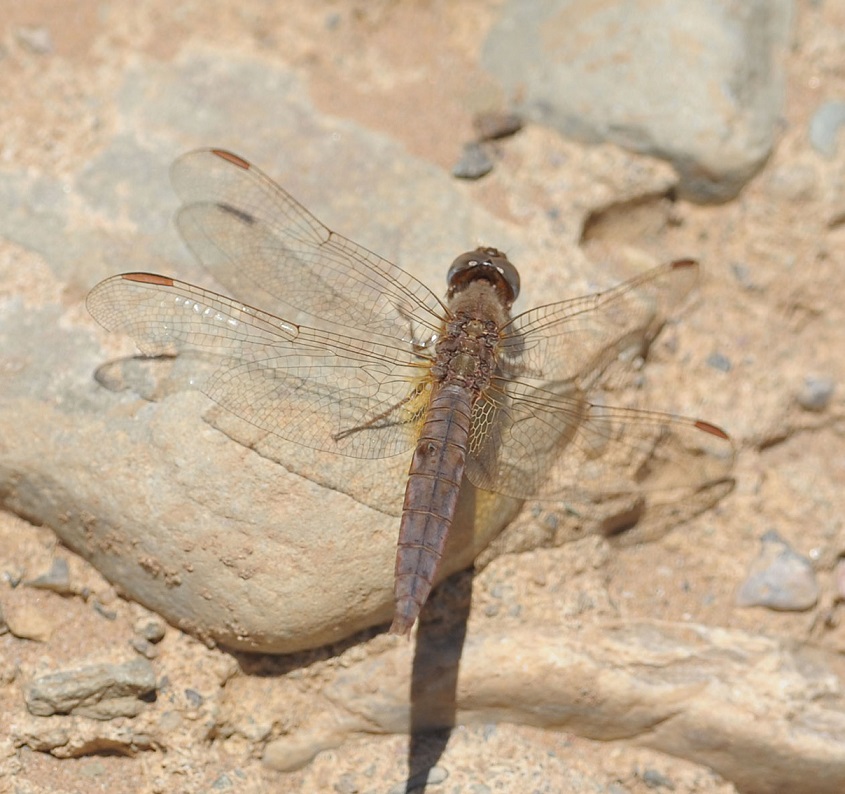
x: 332, y: 348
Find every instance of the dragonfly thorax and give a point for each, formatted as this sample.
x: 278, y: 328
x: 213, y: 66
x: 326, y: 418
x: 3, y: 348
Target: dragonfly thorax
x: 466, y: 352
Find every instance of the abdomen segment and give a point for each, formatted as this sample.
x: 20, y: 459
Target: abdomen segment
x: 431, y: 496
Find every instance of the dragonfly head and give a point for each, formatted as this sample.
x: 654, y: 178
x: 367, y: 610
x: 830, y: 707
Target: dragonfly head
x: 489, y: 264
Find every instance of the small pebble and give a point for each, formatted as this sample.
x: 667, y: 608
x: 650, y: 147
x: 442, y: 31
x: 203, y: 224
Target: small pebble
x: 474, y: 162
x: 816, y: 392
x: 145, y: 648
x: 30, y: 623
x: 779, y: 578
x: 14, y: 578
x: 493, y: 125
x: 223, y: 783
x: 35, y: 39
x: 654, y: 779
x: 346, y: 784
x: 108, y: 614
x: 742, y: 273
x: 57, y: 579
x: 825, y: 126
x: 151, y: 629
x: 720, y: 362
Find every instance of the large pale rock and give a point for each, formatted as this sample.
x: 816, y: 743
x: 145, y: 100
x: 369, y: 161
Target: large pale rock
x: 698, y: 83
x: 691, y: 691
x: 219, y: 540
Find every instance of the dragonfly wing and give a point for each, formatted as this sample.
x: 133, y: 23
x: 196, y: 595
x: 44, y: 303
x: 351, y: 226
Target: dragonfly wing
x: 580, y: 338
x: 323, y: 390
x: 515, y: 440
x: 267, y: 249
x: 554, y: 444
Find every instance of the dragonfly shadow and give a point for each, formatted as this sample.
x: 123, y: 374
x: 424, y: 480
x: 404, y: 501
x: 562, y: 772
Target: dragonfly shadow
x: 434, y: 679
x: 440, y: 637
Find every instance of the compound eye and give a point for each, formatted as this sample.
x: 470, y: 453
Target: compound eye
x: 508, y: 272
x: 462, y: 263
x: 487, y: 263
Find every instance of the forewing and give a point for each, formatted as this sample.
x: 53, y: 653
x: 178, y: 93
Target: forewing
x: 576, y: 340
x: 267, y: 249
x: 345, y: 394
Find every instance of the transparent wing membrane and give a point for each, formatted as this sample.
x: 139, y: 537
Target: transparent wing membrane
x: 349, y: 369
x: 533, y: 442
x: 577, y: 338
x: 268, y: 250
x: 302, y: 384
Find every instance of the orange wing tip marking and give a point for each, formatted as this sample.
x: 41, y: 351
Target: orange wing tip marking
x: 232, y: 158
x: 712, y: 429
x: 682, y: 263
x: 149, y: 278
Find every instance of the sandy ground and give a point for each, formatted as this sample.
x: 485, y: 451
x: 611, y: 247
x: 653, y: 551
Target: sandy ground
x: 773, y: 261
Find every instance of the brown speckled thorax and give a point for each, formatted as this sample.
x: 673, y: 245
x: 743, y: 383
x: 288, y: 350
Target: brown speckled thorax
x: 466, y: 354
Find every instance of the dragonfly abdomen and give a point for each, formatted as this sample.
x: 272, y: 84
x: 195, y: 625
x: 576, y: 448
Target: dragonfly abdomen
x: 431, y: 497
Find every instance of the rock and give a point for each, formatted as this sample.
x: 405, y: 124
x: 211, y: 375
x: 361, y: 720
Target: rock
x: 474, y: 162
x: 816, y: 393
x: 36, y: 39
x: 672, y: 688
x: 29, y: 622
x: 492, y: 125
x: 45, y: 740
x: 144, y: 648
x: 100, y: 691
x: 104, y: 611
x: 601, y: 72
x: 152, y: 629
x: 655, y: 779
x: 80, y: 737
x: 57, y: 579
x: 720, y: 362
x: 220, y: 541
x: 214, y: 535
x: 194, y: 698
x: 825, y: 126
x: 779, y: 578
